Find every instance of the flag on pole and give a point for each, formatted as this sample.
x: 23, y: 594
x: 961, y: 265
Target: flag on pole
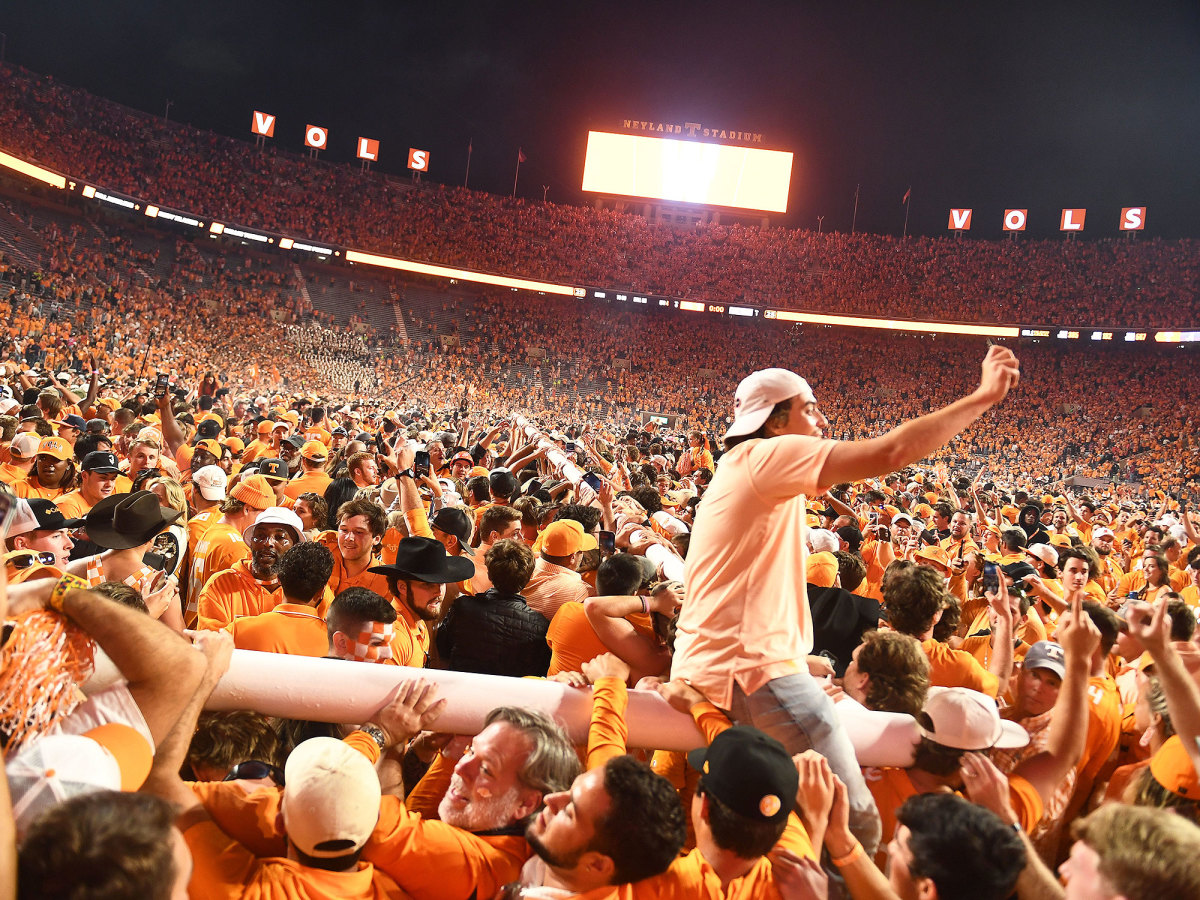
x: 470, y: 144
x: 520, y: 155
x: 907, y: 194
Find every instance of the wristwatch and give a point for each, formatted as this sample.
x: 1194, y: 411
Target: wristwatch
x: 376, y: 734
x: 407, y: 473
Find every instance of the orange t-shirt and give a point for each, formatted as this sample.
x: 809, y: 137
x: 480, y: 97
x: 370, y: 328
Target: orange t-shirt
x: 224, y: 870
x: 573, y: 641
x: 316, y: 482
x: 73, y: 506
x: 31, y: 489
x: 746, y: 620
x: 956, y: 668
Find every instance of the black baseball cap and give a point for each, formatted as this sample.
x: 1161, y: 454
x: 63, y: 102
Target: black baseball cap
x: 750, y: 772
x: 100, y: 461
x: 49, y: 517
x: 455, y: 522
x: 273, y: 468
x: 209, y: 428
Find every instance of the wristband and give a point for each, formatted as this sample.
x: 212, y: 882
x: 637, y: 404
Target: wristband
x: 645, y: 604
x: 65, y: 584
x: 852, y: 856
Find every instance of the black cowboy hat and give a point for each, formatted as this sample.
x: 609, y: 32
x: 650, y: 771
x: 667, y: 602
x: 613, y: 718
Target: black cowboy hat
x: 424, y: 559
x: 121, y: 521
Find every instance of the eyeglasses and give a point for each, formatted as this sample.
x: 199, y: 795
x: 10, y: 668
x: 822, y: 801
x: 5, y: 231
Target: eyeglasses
x: 255, y: 769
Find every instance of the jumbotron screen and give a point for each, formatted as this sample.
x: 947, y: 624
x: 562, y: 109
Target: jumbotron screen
x: 687, y: 171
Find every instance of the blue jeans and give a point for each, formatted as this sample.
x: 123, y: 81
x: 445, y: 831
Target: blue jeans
x: 796, y: 712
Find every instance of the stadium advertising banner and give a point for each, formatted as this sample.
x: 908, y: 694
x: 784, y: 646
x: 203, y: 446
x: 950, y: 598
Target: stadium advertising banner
x: 316, y: 137
x: 418, y: 160
x: 263, y: 124
x: 368, y: 149
x: 687, y: 171
x: 1133, y: 218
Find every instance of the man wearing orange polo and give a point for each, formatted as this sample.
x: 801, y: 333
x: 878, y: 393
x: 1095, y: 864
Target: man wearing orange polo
x: 53, y: 471
x: 361, y: 526
x: 294, y: 626
x: 313, y: 477
x: 22, y: 453
x: 222, y: 545
x: 97, y: 480
x: 249, y: 586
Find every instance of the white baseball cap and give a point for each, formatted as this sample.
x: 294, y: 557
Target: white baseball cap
x: 331, y: 802
x: 277, y: 515
x: 963, y: 719
x: 1044, y: 552
x: 211, y: 482
x: 757, y: 395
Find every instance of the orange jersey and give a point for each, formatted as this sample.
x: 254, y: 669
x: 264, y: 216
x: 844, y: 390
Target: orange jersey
x: 219, y: 548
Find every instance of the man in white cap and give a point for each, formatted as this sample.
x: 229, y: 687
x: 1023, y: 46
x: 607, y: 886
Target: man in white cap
x: 251, y: 585
x: 745, y: 629
x: 328, y: 810
x: 22, y: 453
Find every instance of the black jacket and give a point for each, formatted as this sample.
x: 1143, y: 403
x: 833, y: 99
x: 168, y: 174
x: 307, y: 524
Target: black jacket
x: 494, y: 633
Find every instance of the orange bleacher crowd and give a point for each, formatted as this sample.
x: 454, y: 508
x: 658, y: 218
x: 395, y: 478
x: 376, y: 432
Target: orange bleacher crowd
x: 995, y: 578
x: 1116, y: 282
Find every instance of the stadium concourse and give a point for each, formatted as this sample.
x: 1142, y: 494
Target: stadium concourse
x: 206, y: 446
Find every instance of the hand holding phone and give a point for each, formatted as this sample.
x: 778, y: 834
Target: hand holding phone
x: 161, y: 384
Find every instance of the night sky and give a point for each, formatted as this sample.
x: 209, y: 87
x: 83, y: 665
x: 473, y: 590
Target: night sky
x: 983, y: 105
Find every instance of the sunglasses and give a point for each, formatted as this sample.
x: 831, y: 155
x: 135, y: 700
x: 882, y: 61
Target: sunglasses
x: 254, y: 769
x: 27, y: 560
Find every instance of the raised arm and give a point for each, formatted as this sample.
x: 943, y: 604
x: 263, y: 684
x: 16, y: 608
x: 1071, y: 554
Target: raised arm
x: 160, y: 667
x: 1079, y: 638
x: 918, y: 438
x: 172, y: 433
x: 1151, y: 625
x: 164, y: 780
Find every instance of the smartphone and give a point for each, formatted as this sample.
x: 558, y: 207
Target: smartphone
x: 592, y: 480
x: 608, y: 542
x: 991, y: 578
x: 421, y: 462
x: 161, y: 383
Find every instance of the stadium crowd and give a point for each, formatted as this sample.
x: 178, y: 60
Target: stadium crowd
x: 1117, y: 282
x: 993, y: 572
x: 1032, y: 647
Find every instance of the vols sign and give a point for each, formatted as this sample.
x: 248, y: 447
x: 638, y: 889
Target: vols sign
x: 960, y: 220
x: 1015, y: 219
x: 316, y: 137
x: 1072, y: 220
x: 418, y: 160
x: 1133, y: 218
x: 368, y: 149
x: 263, y: 123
